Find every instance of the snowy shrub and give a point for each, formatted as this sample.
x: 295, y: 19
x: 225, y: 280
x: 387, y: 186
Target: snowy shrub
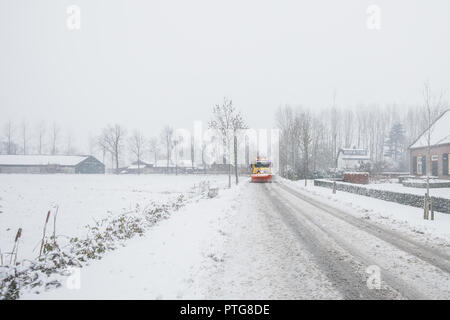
x: 213, y: 192
x: 59, y: 253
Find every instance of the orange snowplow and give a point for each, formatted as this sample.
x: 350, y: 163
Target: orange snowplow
x: 261, y: 170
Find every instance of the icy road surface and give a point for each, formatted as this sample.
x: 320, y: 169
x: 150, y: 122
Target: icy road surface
x: 267, y: 241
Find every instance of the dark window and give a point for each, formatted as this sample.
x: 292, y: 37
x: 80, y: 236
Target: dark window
x: 424, y: 165
x: 414, y: 165
x: 445, y: 164
x: 434, y: 168
x: 262, y: 164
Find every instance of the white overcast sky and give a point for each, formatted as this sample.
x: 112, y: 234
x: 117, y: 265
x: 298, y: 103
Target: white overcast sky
x: 149, y: 63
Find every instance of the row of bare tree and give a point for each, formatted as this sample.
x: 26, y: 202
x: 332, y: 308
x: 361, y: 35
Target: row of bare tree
x: 115, y: 146
x: 39, y: 139
x: 310, y: 140
x: 226, y: 120
x: 50, y: 139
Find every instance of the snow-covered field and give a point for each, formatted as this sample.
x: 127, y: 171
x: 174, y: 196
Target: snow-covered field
x: 168, y: 262
x: 25, y: 200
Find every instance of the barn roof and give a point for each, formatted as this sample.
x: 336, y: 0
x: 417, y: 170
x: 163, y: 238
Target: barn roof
x: 440, y: 132
x: 40, y: 160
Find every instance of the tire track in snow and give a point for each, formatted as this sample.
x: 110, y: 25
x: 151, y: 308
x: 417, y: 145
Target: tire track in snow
x: 408, y: 274
x: 426, y: 253
x: 344, y: 271
x: 263, y: 259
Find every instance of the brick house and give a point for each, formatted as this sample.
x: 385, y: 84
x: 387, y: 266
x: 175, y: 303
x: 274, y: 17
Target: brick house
x: 439, y: 166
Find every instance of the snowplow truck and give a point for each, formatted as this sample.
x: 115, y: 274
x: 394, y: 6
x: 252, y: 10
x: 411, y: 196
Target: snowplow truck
x: 261, y: 170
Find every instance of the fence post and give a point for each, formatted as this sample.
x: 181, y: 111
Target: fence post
x: 432, y: 210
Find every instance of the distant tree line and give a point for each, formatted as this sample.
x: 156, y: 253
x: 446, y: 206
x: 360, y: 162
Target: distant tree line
x: 116, y: 146
x: 310, y: 139
x: 23, y: 138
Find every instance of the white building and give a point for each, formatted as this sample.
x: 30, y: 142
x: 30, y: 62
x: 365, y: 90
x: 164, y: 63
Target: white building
x: 351, y: 159
x: 161, y: 166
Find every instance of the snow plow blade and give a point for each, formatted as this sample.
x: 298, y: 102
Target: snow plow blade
x: 261, y: 178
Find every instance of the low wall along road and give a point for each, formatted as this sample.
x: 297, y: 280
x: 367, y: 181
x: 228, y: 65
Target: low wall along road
x: 439, y: 204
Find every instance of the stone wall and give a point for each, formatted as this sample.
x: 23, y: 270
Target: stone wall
x: 439, y: 204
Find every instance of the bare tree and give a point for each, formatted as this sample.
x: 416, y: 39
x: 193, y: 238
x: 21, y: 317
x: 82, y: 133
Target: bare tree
x: 154, y: 148
x: 203, y: 151
x: 192, y: 153
x: 224, y: 119
x: 24, y: 137
x: 54, y: 137
x: 102, y: 146
x: 317, y: 136
x: 306, y: 139
x: 40, y: 134
x: 295, y: 136
x: 70, y: 149
x: 335, y: 119
x: 137, y: 147
x: 111, y: 139
x: 348, y: 128
x: 176, y: 142
x: 9, y: 132
x: 284, y: 120
x: 92, y: 144
x: 238, y: 124
x: 167, y: 140
x: 432, y: 106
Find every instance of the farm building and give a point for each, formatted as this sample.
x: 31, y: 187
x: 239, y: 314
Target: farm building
x: 50, y: 164
x: 439, y: 166
x: 350, y: 159
x: 161, y: 166
x: 139, y: 167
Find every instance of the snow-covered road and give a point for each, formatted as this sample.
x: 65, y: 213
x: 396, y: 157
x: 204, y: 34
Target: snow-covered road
x: 267, y: 241
x: 348, y: 249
